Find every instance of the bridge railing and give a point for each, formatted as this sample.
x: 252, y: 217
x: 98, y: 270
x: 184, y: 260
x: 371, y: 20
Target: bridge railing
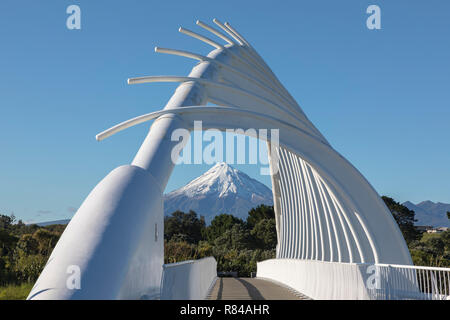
x: 335, y: 280
x: 412, y: 282
x: 188, y: 280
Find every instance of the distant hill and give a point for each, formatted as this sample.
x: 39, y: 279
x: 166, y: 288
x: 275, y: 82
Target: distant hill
x: 48, y: 223
x: 222, y: 189
x: 429, y: 213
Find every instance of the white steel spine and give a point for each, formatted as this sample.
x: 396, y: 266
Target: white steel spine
x: 296, y: 212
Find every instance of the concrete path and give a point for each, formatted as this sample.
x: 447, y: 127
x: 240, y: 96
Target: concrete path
x: 251, y: 289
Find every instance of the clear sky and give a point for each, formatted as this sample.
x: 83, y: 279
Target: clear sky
x: 381, y: 97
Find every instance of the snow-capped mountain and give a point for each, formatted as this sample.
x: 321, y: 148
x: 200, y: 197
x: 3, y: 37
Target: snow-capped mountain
x: 429, y: 213
x: 221, y: 189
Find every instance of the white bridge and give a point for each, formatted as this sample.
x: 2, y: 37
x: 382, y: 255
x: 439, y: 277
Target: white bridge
x: 336, y: 237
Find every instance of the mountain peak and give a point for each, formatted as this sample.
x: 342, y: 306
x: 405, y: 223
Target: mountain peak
x: 221, y: 168
x: 221, y: 189
x: 426, y: 202
x: 220, y: 165
x: 430, y: 213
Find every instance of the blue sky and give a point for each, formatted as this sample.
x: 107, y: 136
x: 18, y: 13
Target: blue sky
x: 381, y: 97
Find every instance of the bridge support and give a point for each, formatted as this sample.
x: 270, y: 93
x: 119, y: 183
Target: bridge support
x: 114, y: 243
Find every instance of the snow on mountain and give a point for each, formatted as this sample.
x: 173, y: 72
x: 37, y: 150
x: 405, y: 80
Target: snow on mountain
x: 429, y: 213
x: 221, y: 189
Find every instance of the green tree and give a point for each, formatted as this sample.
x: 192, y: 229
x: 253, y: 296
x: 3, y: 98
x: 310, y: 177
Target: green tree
x: 7, y: 243
x: 404, y: 218
x: 185, y: 226
x: 204, y: 249
x: 28, y: 244
x: 265, y: 234
x: 46, y: 241
x: 176, y: 251
x: 6, y: 222
x: 259, y: 213
x: 24, y: 249
x: 28, y: 267
x: 436, y: 246
x: 220, y: 224
x: 237, y: 237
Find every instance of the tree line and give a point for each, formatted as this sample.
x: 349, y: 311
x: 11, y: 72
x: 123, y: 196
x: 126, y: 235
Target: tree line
x: 426, y: 249
x: 237, y: 245
x: 24, y: 249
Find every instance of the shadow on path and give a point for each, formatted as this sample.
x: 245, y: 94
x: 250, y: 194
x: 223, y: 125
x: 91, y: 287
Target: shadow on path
x: 253, y: 292
x: 219, y: 293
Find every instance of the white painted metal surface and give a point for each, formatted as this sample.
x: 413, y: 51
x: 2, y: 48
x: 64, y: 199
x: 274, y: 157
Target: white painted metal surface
x: 112, y: 241
x: 325, y: 209
x: 323, y: 280
x: 188, y: 280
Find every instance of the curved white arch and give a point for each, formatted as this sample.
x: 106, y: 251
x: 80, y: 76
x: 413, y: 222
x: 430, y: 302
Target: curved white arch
x: 289, y: 138
x: 324, y: 208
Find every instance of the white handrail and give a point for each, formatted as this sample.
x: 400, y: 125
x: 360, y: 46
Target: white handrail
x: 358, y: 280
x: 414, y: 267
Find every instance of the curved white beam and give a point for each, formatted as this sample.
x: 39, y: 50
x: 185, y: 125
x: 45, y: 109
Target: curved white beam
x: 277, y: 95
x: 222, y: 26
x: 250, y: 52
x: 214, y: 31
x: 216, y: 45
x: 201, y: 38
x: 237, y: 34
x: 248, y: 48
x: 189, y: 109
x: 222, y: 91
x: 183, y: 53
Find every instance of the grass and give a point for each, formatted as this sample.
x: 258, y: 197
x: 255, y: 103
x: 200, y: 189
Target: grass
x: 427, y: 236
x: 15, y: 292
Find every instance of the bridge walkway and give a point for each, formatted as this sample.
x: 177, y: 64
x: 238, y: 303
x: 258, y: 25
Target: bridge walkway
x: 251, y: 289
